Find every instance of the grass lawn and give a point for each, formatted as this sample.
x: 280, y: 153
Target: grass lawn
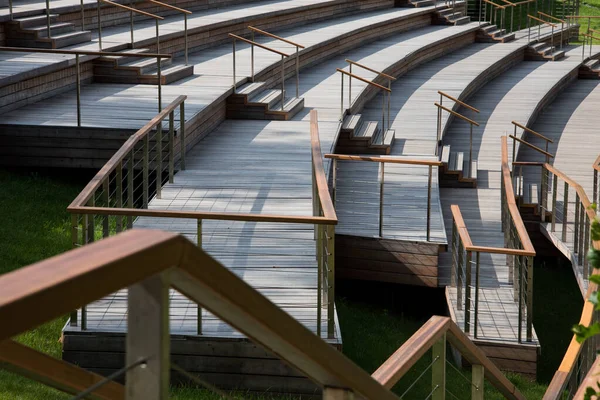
x: 38, y: 227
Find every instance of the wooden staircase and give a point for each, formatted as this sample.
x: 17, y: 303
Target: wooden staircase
x: 543, y: 52
x: 136, y: 70
x: 492, y: 34
x: 590, y: 70
x: 364, y: 137
x: 457, y: 170
x: 254, y: 101
x: 527, y: 196
x: 453, y: 16
x: 33, y: 32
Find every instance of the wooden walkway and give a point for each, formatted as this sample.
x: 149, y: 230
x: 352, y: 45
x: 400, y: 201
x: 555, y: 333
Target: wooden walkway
x: 572, y: 123
x: 259, y: 167
x: 512, y: 96
x: 131, y: 106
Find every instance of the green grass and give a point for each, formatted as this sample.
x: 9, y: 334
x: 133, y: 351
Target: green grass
x: 38, y: 227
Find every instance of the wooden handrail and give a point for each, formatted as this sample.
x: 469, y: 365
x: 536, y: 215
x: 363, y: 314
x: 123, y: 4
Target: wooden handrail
x: 590, y: 36
x: 458, y: 101
x: 160, y: 3
x: 513, y: 209
x: 86, y: 194
x: 370, y: 69
x: 363, y: 80
x: 469, y: 120
x: 262, y: 46
x: 531, y: 146
x: 394, y: 368
x: 461, y: 227
x: 591, y: 380
x: 46, y: 290
x: 275, y: 37
x: 540, y: 20
x: 319, y: 170
x: 79, y: 204
x: 494, y: 4
x: 56, y: 373
x: 583, y: 197
x: 390, y: 160
x: 147, y: 14
x: 550, y: 16
x: 83, y: 52
x: 528, y: 163
x: 532, y: 131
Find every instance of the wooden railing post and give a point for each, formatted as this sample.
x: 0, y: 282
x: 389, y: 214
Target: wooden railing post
x: 477, y: 382
x: 438, y: 369
x: 148, y: 339
x: 330, y: 393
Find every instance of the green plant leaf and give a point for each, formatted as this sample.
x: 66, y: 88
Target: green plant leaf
x: 595, y: 229
x: 595, y: 279
x: 594, y: 258
x: 585, y: 332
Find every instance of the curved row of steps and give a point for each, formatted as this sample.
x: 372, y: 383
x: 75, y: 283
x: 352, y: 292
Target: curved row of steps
x: 33, y: 32
x: 254, y: 101
x: 454, y: 17
x: 364, y: 137
x: 136, y: 70
x: 457, y: 170
x: 492, y: 34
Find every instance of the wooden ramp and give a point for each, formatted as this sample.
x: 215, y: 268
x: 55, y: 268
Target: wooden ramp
x: 518, y: 94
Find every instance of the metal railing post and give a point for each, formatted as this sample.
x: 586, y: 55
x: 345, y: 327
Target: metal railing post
x: 334, y: 190
x: 130, y: 168
x: 544, y: 194
x: 519, y: 260
x: 459, y: 274
x: 468, y: 292
x: 595, y: 194
x: 342, y: 98
x: 389, y: 104
x: 48, y: 18
x: 159, y: 75
x: 382, y: 112
x: 554, y: 189
x: 565, y: 210
x: 185, y: 28
x: 145, y: 172
x: 330, y: 281
x: 10, y: 9
x: 234, y: 78
x: 438, y: 369
x: 157, y: 38
x: 99, y: 24
x: 78, y: 77
x: 182, y: 134
x: 297, y: 72
x: 476, y: 316
x: 158, y: 137
x: 529, y: 333
x: 119, y: 194
x: 576, y: 224
x: 470, y: 148
x: 381, y: 184
x: 82, y: 15
x: 131, y: 24
x: 319, y: 242
x: 453, y: 249
x: 350, y: 88
x: 171, y: 152
x: 282, y: 82
x: 199, y: 308
x: 429, y: 203
x: 252, y: 55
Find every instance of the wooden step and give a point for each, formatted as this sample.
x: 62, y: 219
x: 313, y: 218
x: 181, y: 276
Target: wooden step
x: 422, y: 3
x: 351, y: 123
x: 557, y: 55
x: 456, y: 163
x: 530, y: 195
x: 367, y: 131
x: 518, y: 186
x: 291, y: 107
x: 55, y: 29
x: 170, y: 74
x: 461, y: 20
x: 445, y: 158
x: 473, y: 170
x: 68, y: 39
x: 268, y: 97
x: 592, y: 64
x: 509, y: 37
x: 36, y: 20
x: 114, y: 61
x: 250, y: 89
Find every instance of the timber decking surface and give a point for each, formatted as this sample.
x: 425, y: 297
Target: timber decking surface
x: 131, y: 106
x: 512, y: 96
x: 258, y: 167
x: 572, y: 122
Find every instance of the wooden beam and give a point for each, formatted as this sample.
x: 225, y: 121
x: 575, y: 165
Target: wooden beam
x: 58, y: 374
